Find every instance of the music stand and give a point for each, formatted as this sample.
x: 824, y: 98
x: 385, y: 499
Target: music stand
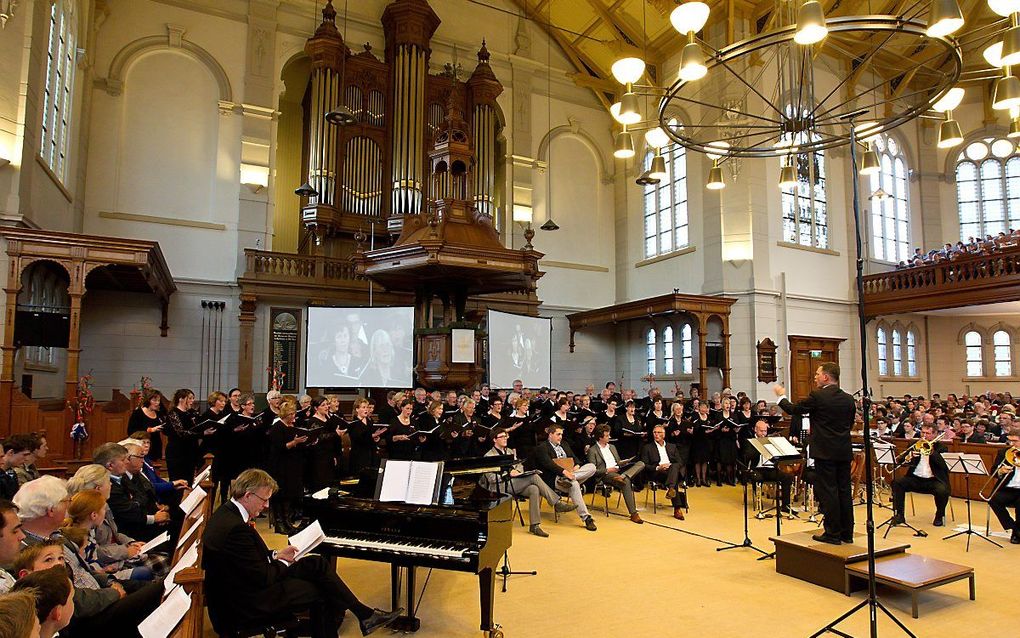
x: 967, y: 464
x: 885, y: 455
x: 778, y: 450
x: 745, y: 473
x: 505, y: 570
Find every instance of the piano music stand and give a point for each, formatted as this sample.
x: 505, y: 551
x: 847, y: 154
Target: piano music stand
x: 967, y: 464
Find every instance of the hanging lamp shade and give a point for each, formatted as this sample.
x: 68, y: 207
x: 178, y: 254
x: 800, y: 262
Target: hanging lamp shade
x: 629, y: 109
x: 692, y: 63
x: 715, y: 179
x: 550, y: 225
x: 658, y: 168
x: 869, y: 163
x: 341, y: 116
x: 624, y: 146
x: 1006, y: 93
x: 306, y: 190
x: 689, y: 17
x: 1004, y: 8
x: 944, y: 18
x: 950, y: 100
x: 628, y: 69
x: 810, y: 23
x: 1011, y: 47
x: 656, y: 137
x: 950, y: 134
x: 788, y: 177
x: 1014, y: 128
x: 646, y: 179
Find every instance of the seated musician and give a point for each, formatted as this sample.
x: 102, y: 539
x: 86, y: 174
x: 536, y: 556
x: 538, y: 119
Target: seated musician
x: 543, y: 458
x: 246, y: 583
x: 608, y: 469
x: 1008, y: 495
x: 765, y: 470
x: 926, y: 474
x: 531, y: 486
x: 662, y: 462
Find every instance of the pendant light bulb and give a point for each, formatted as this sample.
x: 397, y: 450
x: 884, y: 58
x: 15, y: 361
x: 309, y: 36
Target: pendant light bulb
x: 628, y: 70
x: 950, y: 134
x: 646, y: 179
x: 1006, y: 93
x: 788, y: 176
x: 870, y: 163
x: 629, y: 113
x: 624, y: 146
x: 715, y: 178
x: 692, y: 63
x: 944, y: 18
x: 658, y: 168
x: 1011, y: 47
x: 1014, y: 128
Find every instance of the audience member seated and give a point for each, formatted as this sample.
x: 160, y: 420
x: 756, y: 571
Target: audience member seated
x: 17, y: 615
x: 135, y: 514
x: 968, y: 435
x: 606, y: 459
x: 763, y: 470
x: 544, y: 458
x: 926, y: 474
x: 247, y: 584
x: 13, y: 453
x: 531, y: 485
x: 86, y: 512
x: 54, y: 598
x: 10, y: 542
x: 168, y: 493
x: 42, y: 555
x: 102, y: 607
x: 662, y: 462
x: 38, y: 449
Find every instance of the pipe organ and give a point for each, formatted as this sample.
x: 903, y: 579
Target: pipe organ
x: 373, y: 171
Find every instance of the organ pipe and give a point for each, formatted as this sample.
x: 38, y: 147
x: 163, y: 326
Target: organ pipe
x: 407, y: 142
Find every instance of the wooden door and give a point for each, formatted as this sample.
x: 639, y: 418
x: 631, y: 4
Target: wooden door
x: 806, y: 354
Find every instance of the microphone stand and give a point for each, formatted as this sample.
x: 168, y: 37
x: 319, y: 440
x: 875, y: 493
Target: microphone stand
x: 745, y: 472
x: 505, y: 571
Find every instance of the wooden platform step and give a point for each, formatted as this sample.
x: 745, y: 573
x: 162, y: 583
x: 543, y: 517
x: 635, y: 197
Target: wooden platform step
x: 908, y: 572
x: 802, y: 557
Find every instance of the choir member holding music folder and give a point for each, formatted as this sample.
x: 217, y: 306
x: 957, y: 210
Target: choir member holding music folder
x: 429, y: 434
x: 680, y: 432
x: 364, y: 436
x: 702, y: 444
x: 726, y: 454
x: 400, y: 442
x: 150, y: 416
x: 323, y: 445
x: 183, y: 451
x: 233, y: 440
x: 287, y: 445
x: 628, y: 431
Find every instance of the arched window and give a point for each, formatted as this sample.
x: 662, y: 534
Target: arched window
x: 972, y: 341
x: 897, y: 353
x: 988, y: 188
x: 58, y: 91
x: 883, y: 353
x: 805, y: 220
x: 650, y: 350
x: 667, y: 350
x: 1003, y: 356
x: 666, y: 227
x: 686, y: 350
x: 890, y: 215
x: 911, y: 353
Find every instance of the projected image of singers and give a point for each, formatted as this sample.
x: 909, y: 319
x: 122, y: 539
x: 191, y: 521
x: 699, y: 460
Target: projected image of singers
x: 341, y: 359
x: 380, y: 372
x: 522, y: 350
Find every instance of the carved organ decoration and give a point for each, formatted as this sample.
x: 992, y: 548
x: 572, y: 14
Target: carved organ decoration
x: 374, y: 171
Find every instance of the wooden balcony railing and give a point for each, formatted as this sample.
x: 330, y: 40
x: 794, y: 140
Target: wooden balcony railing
x: 967, y: 281
x: 262, y: 264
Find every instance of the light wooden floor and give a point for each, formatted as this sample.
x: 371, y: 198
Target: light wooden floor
x: 645, y: 580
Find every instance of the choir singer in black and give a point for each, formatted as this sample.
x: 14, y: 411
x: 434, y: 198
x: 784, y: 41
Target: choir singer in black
x: 832, y: 416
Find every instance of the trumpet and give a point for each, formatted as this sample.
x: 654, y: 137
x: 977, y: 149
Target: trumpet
x: 1011, y: 460
x: 923, y: 447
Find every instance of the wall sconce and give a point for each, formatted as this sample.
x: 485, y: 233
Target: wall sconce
x: 524, y: 215
x: 255, y: 177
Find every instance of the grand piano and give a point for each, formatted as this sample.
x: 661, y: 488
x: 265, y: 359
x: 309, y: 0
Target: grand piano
x: 469, y: 535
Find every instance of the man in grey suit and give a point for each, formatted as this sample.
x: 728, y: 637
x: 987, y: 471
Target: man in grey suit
x: 606, y: 459
x: 531, y: 485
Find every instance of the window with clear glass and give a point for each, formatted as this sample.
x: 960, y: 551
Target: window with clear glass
x: 666, y: 219
x: 890, y: 214
x: 1003, y: 354
x: 686, y: 349
x: 805, y: 218
x: 667, y: 350
x: 650, y: 350
x: 988, y: 188
x: 911, y: 353
x: 972, y: 342
x: 897, y: 353
x: 58, y: 90
x: 883, y: 352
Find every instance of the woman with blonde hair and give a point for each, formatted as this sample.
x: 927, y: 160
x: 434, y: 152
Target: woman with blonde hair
x: 86, y: 512
x: 364, y: 438
x: 286, y: 455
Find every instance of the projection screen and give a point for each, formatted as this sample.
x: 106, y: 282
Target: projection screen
x: 359, y: 347
x: 520, y: 347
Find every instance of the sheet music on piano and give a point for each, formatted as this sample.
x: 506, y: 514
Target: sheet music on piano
x: 413, y: 482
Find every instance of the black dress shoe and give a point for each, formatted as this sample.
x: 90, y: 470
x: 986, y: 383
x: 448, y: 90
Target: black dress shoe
x: 939, y: 521
x: 847, y: 539
x: 589, y: 524
x: 825, y: 538
x: 379, y: 618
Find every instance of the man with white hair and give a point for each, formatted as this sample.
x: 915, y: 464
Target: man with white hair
x: 101, y: 606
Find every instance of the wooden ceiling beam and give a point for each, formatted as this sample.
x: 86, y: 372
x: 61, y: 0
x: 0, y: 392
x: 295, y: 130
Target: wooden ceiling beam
x: 618, y: 23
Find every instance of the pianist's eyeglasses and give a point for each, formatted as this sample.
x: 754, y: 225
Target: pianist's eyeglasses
x: 264, y: 500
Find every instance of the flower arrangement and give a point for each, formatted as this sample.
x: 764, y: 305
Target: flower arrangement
x: 276, y: 377
x: 82, y: 407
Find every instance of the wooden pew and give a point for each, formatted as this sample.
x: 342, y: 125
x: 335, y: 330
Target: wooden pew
x: 193, y: 578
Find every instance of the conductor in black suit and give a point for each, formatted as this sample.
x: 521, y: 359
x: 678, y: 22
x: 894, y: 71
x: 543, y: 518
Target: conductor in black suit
x: 831, y: 413
x: 247, y: 584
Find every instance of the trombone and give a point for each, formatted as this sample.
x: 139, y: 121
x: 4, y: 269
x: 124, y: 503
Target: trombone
x: 1011, y: 460
x: 924, y: 447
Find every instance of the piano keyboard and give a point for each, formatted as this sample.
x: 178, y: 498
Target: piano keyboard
x: 400, y: 547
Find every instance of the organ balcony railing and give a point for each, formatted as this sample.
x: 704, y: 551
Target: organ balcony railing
x: 965, y: 281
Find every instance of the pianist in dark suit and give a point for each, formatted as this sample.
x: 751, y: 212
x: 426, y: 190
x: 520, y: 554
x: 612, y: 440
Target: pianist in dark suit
x: 531, y: 486
x: 247, y: 584
x: 544, y: 458
x: 832, y: 415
